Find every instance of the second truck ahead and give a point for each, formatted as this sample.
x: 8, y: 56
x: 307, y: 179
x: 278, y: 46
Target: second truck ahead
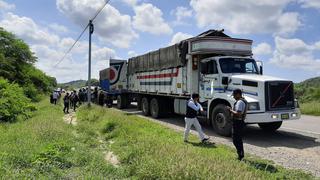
x: 211, y: 64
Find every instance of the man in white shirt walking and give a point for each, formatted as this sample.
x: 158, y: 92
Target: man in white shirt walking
x: 193, y: 108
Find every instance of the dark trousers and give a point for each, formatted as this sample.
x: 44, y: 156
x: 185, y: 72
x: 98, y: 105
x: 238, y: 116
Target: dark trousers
x: 237, y: 131
x: 74, y: 105
x: 66, y: 107
x: 54, y: 101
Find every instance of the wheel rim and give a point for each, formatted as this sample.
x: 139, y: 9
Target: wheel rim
x: 220, y: 120
x: 154, y: 108
x: 144, y: 106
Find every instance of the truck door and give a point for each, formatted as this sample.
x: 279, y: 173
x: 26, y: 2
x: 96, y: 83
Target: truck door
x: 209, y: 79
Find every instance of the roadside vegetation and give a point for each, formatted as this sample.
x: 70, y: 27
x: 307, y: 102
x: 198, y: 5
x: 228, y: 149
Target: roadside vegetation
x: 46, y: 147
x: 21, y: 82
x: 72, y: 85
x: 308, y: 94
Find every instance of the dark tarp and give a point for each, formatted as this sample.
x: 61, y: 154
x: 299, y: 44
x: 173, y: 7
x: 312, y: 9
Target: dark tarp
x: 163, y: 58
x: 168, y: 57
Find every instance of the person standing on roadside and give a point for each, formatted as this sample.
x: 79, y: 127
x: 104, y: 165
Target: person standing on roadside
x: 66, y: 103
x: 238, y: 115
x: 80, y: 95
x: 55, y: 97
x: 75, y: 99
x: 193, y: 108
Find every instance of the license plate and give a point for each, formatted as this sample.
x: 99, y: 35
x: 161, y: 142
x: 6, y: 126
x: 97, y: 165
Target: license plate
x: 284, y: 116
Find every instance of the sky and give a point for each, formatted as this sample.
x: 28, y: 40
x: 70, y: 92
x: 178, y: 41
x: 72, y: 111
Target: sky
x: 285, y: 33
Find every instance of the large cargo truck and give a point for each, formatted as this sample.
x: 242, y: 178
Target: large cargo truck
x: 211, y: 64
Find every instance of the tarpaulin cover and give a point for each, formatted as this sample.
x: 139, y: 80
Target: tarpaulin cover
x: 163, y: 58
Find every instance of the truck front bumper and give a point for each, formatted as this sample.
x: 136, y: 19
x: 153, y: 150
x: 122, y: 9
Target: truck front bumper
x: 267, y: 117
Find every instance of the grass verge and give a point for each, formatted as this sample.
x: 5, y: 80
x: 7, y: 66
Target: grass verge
x: 150, y: 151
x: 44, y: 147
x: 310, y: 108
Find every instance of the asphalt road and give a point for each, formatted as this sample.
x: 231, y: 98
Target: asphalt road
x: 307, y: 124
x: 295, y: 145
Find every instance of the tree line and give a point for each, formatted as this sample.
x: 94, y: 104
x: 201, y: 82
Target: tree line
x: 21, y: 83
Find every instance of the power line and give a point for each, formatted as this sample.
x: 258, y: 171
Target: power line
x: 105, y: 3
x: 75, y: 42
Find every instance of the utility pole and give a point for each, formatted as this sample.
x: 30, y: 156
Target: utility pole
x: 91, y: 29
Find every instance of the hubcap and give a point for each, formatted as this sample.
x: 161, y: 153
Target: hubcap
x: 144, y: 106
x: 220, y: 120
x: 154, y: 108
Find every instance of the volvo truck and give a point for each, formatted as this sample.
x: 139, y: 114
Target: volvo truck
x: 211, y: 64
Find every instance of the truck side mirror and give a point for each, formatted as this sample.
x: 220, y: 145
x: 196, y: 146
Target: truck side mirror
x: 225, y: 80
x: 260, y: 66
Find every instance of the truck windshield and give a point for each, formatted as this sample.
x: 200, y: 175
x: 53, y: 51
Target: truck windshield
x: 238, y: 65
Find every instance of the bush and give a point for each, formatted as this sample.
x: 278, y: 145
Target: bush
x: 31, y: 92
x: 13, y: 103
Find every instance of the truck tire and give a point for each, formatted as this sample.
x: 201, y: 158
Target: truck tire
x: 156, y: 108
x: 139, y: 103
x: 145, y: 106
x: 121, y: 102
x: 220, y: 120
x: 270, y: 127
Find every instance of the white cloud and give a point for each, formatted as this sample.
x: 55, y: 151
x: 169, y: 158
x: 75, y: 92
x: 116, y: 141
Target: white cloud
x: 58, y: 28
x: 310, y: 4
x: 181, y: 14
x: 6, y: 6
x: 50, y: 48
x: 27, y: 29
x: 130, y: 2
x: 179, y: 36
x: 262, y: 49
x: 148, y: 18
x: 295, y: 54
x: 246, y: 16
x: 111, y: 26
x: 132, y: 53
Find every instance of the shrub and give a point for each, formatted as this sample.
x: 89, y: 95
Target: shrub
x: 13, y: 103
x: 31, y: 92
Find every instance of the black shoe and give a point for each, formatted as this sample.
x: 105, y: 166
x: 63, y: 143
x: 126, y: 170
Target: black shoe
x: 240, y: 156
x: 205, y: 139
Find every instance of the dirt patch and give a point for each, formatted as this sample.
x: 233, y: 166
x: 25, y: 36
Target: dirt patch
x: 112, y: 158
x: 70, y: 118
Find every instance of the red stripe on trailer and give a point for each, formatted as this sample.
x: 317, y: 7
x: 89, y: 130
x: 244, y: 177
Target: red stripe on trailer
x: 164, y: 75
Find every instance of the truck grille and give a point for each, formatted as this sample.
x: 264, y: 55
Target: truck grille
x: 279, y: 95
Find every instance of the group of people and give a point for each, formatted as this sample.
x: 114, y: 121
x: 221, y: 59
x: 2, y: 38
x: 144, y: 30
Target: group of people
x: 238, y: 115
x: 54, y: 96
x: 70, y: 99
x: 75, y: 98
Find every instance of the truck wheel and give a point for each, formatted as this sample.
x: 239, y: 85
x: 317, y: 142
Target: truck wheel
x: 270, y: 127
x: 220, y: 120
x: 139, y: 103
x: 145, y: 106
x: 156, y: 108
x: 121, y: 102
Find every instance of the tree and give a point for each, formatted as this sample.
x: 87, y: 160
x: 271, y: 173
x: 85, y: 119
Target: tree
x: 17, y: 65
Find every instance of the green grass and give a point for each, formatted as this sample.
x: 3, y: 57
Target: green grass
x: 310, y: 108
x: 44, y: 147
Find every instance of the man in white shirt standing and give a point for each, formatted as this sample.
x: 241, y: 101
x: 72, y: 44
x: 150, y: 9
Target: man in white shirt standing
x: 55, y: 97
x: 238, y: 114
x: 193, y: 108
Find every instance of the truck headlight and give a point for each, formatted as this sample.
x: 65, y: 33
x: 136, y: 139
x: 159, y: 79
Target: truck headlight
x: 253, y: 106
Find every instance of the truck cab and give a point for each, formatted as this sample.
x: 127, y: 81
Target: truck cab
x: 270, y: 99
